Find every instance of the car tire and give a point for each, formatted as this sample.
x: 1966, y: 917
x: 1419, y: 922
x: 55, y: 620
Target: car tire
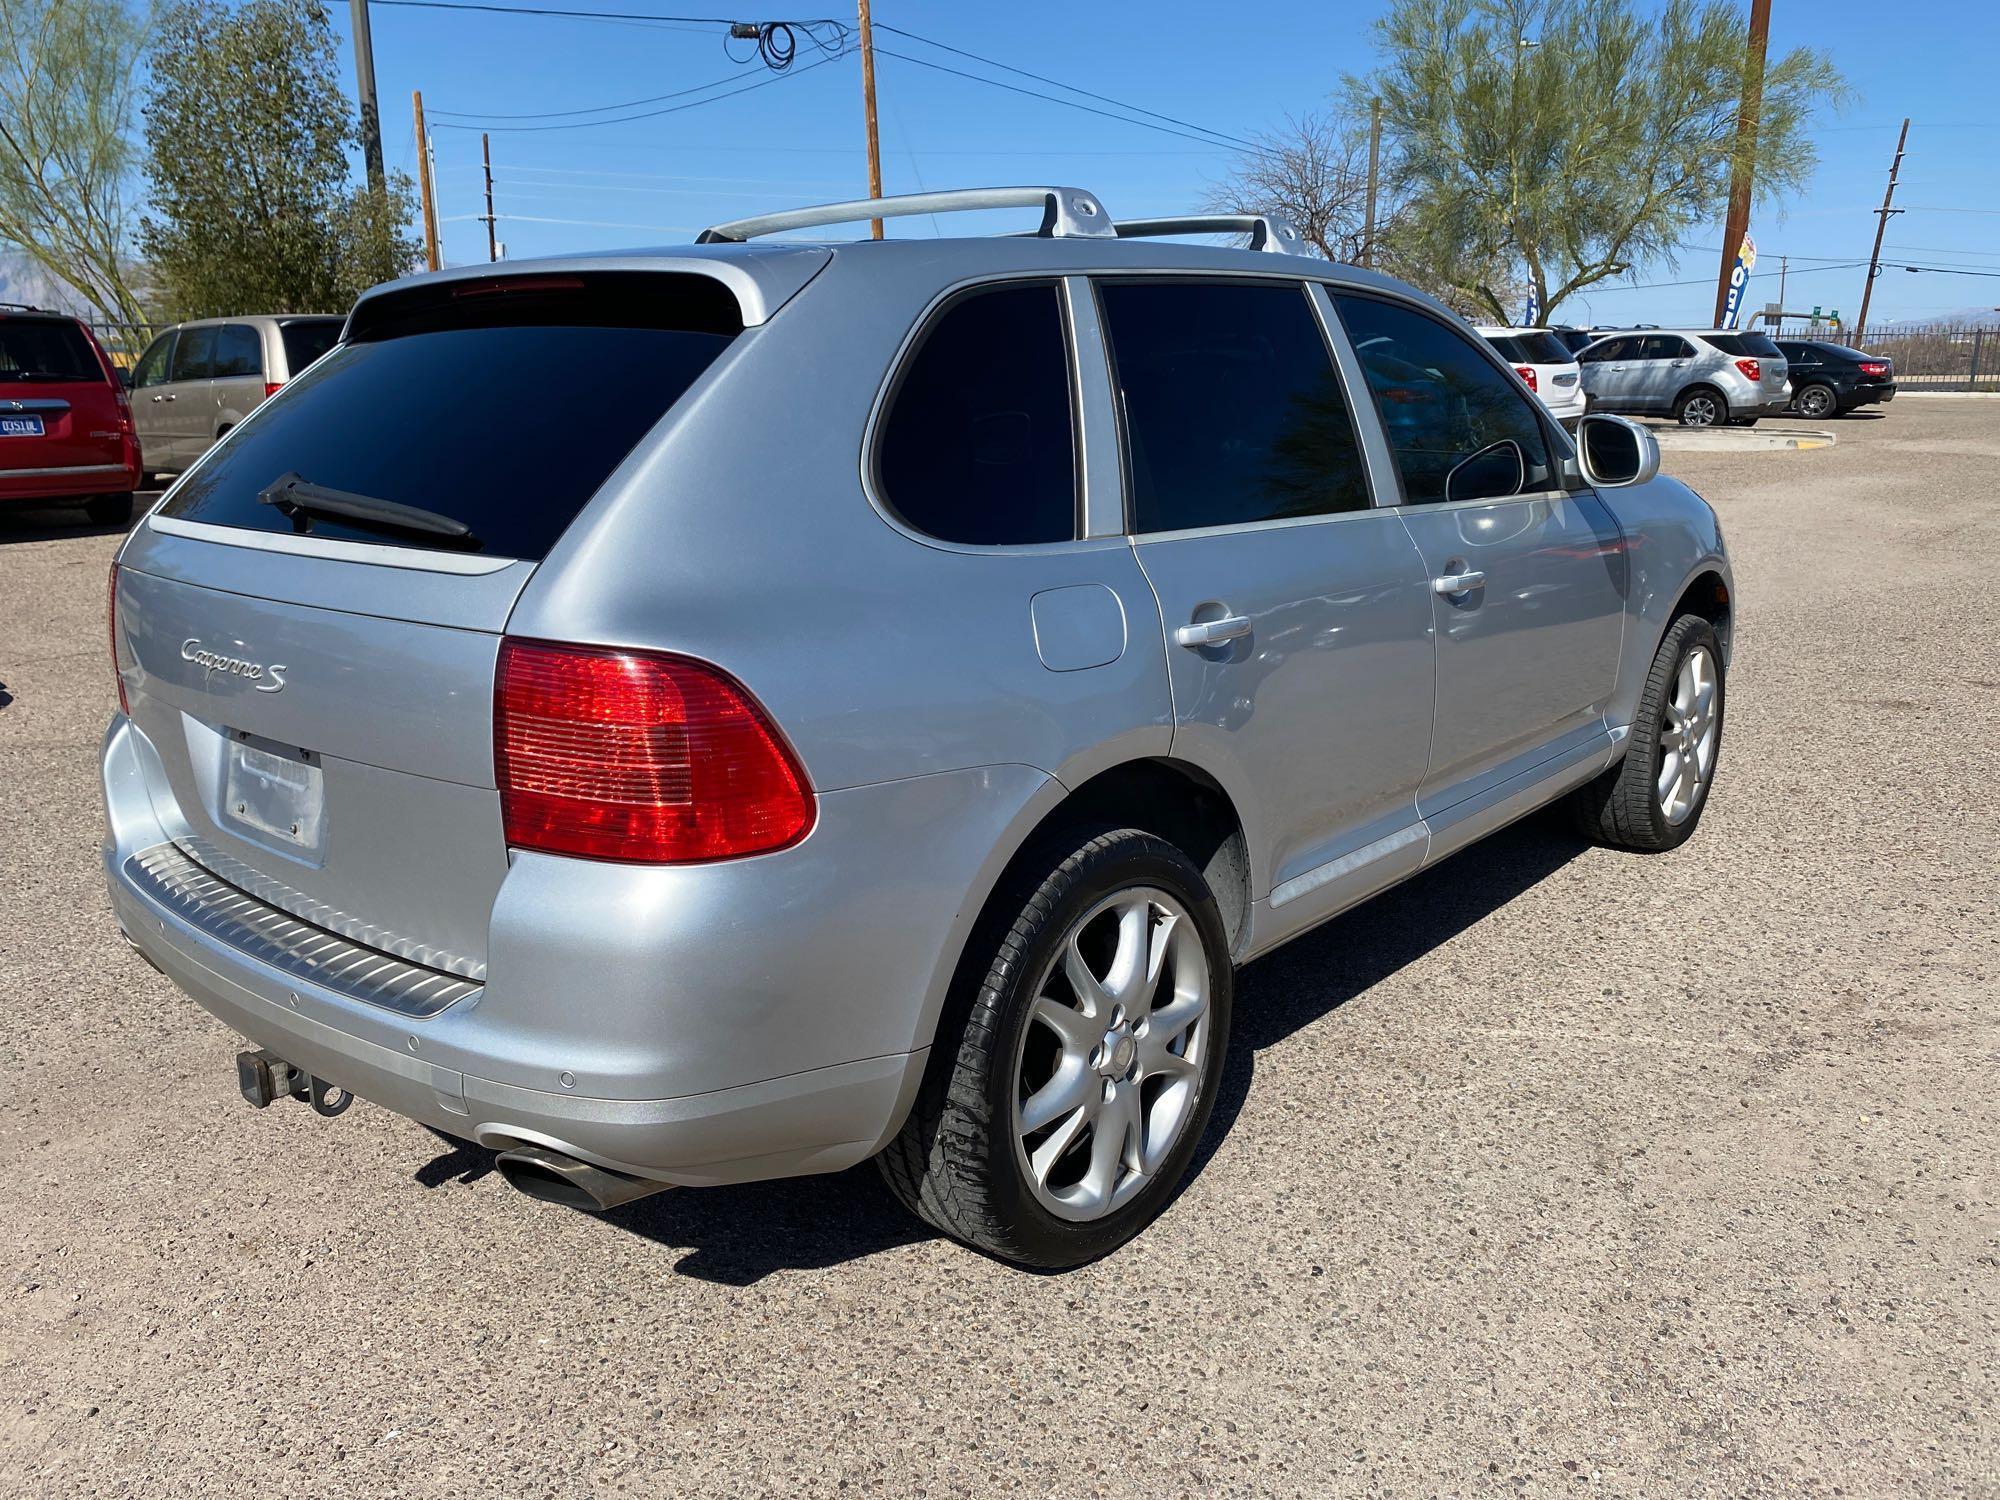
x: 1815, y: 402
x: 1701, y: 406
x: 1630, y: 806
x: 973, y: 1160
x: 109, y: 510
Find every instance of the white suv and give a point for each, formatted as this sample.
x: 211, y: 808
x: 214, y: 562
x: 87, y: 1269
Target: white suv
x: 1547, y: 366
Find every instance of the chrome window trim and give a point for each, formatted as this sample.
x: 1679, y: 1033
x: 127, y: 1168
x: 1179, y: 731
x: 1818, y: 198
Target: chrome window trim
x: 417, y: 559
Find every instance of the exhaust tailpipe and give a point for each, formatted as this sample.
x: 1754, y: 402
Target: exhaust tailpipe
x: 555, y: 1178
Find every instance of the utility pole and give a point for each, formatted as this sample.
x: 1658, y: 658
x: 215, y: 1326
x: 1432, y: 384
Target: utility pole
x: 364, y: 83
x: 1883, y: 215
x: 868, y: 109
x: 1374, y: 165
x: 424, y: 183
x: 1738, y: 222
x: 486, y: 157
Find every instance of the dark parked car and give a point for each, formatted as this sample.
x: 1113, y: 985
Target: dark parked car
x: 1829, y: 378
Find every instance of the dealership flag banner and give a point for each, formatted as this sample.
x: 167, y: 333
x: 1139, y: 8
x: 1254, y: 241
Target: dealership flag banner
x: 1739, y: 279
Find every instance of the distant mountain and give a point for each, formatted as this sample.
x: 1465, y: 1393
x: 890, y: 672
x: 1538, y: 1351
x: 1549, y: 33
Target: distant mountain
x: 1964, y: 317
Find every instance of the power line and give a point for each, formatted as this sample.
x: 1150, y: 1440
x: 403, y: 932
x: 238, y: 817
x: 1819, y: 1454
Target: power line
x: 1054, y: 99
x: 1070, y: 87
x: 598, y: 109
x: 672, y: 109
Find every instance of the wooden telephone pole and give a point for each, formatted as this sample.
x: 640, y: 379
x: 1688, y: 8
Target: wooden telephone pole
x: 1738, y: 223
x: 424, y: 184
x: 1883, y: 215
x: 364, y: 83
x: 868, y: 108
x: 486, y: 157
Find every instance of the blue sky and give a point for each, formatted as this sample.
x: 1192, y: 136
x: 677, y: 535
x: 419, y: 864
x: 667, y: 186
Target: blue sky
x: 1238, y: 72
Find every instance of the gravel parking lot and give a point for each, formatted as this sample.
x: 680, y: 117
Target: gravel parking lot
x: 1555, y: 1170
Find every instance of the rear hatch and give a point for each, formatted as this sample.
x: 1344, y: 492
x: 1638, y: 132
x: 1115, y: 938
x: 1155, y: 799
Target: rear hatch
x: 1773, y: 370
x: 1543, y: 361
x: 312, y: 619
x: 58, y: 406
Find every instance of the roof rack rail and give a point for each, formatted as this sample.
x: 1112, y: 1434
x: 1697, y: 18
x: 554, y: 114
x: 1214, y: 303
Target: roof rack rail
x: 1266, y: 231
x: 1067, y: 213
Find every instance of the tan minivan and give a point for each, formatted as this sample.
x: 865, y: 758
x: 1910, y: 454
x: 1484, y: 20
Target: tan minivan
x: 197, y: 380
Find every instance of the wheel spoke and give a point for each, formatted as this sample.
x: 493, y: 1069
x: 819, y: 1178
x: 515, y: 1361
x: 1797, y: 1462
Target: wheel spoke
x: 1068, y: 1090
x: 1131, y: 963
x: 1112, y: 1149
x: 1088, y: 987
x: 1670, y: 775
x: 1059, y: 1141
x: 1076, y: 1030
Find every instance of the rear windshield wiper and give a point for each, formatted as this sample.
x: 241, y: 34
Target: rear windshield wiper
x: 294, y: 494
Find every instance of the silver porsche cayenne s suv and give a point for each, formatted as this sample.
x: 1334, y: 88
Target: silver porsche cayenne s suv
x: 731, y: 711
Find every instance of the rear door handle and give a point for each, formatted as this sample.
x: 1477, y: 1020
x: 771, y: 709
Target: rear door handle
x: 1457, y: 583
x: 1212, y: 632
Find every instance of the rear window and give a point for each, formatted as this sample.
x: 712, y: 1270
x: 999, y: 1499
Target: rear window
x: 501, y: 405
x: 307, y: 339
x: 1530, y: 348
x: 45, y: 349
x: 1745, y: 345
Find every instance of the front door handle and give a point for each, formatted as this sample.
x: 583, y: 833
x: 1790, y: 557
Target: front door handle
x: 1212, y: 632
x: 1458, y: 583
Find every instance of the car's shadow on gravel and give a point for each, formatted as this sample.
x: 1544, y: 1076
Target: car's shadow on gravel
x: 739, y: 1235
x: 55, y: 523
x: 1309, y: 979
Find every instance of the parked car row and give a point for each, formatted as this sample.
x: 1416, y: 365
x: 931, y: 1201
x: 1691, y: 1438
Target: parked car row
x: 74, y: 428
x: 1701, y: 377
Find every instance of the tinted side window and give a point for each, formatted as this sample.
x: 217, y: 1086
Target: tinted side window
x: 979, y: 446
x: 194, y: 357
x: 1609, y: 349
x: 1233, y: 411
x: 152, y: 366
x: 238, y: 351
x: 306, y: 339
x: 1665, y: 346
x: 1441, y: 400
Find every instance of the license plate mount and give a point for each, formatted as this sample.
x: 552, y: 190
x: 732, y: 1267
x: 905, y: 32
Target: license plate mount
x: 278, y: 794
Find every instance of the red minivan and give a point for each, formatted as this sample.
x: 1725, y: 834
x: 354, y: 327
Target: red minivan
x: 65, y: 423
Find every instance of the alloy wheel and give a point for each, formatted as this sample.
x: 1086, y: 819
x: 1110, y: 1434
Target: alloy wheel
x: 1688, y: 731
x: 1815, y: 403
x: 1700, y: 411
x: 1113, y: 1058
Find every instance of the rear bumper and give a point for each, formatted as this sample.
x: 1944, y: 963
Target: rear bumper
x: 1867, y: 395
x: 684, y: 1044
x: 68, y: 481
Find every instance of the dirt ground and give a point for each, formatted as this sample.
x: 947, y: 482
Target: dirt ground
x: 1554, y: 1171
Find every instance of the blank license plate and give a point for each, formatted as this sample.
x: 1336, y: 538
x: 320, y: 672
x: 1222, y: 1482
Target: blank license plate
x: 20, y: 426
x: 275, y: 794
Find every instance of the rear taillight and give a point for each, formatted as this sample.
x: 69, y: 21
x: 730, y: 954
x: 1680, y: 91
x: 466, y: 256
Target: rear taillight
x: 1527, y: 373
x: 124, y: 412
x: 1874, y: 367
x: 272, y: 387
x: 1751, y: 369
x: 639, y: 756
x: 123, y: 706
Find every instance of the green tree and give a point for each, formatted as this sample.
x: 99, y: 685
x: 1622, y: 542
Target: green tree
x: 247, y: 138
x: 1565, y: 142
x: 66, y: 97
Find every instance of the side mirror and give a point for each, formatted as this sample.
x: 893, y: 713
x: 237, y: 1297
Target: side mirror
x: 1613, y: 452
x: 1493, y: 473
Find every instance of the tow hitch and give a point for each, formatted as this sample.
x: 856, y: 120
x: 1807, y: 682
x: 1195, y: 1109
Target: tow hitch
x: 264, y: 1076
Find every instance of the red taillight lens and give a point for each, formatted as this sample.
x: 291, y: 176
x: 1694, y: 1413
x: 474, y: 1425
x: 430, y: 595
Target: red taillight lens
x: 272, y: 387
x: 633, y: 755
x: 1751, y: 369
x: 1874, y: 367
x: 1527, y: 373
x: 123, y: 706
x: 124, y: 412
